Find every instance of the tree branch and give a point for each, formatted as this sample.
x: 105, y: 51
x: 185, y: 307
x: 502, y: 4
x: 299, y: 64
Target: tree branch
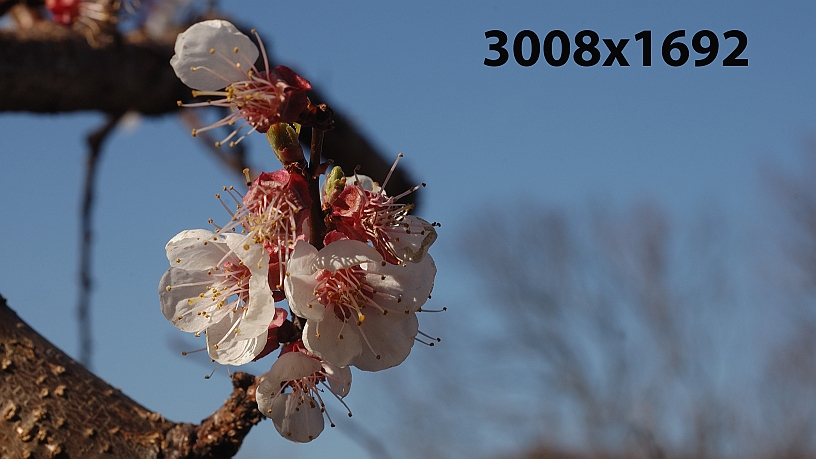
x: 51, y: 406
x: 52, y: 69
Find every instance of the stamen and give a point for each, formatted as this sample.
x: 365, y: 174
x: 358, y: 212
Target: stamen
x: 263, y: 51
x: 423, y: 342
x: 218, y: 196
x: 213, y: 372
x: 193, y: 352
x: 438, y: 340
x: 407, y: 192
x: 393, y: 166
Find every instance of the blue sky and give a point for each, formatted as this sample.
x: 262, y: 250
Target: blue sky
x: 412, y: 77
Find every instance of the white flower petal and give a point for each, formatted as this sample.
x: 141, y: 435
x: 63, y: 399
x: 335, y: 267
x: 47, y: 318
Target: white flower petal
x: 187, y: 249
x: 300, y: 283
x: 226, y: 348
x: 345, y: 254
x: 391, y: 340
x: 323, y: 339
x: 296, y: 419
x: 301, y: 258
x: 299, y: 290
x: 288, y: 367
x: 411, y: 284
x: 297, y: 416
x: 252, y: 254
x: 363, y: 181
x: 260, y: 309
x: 218, y: 69
x: 339, y: 378
x: 182, y: 305
x: 411, y: 239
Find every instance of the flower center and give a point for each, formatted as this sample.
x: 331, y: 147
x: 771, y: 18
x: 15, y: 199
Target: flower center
x: 257, y: 99
x: 344, y: 291
x: 271, y: 214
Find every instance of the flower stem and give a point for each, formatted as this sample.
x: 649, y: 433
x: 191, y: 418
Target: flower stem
x: 317, y: 223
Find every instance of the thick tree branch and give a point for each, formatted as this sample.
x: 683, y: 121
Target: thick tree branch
x: 51, y: 406
x: 52, y: 69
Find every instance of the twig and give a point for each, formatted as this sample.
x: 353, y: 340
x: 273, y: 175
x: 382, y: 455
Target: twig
x: 317, y: 224
x: 95, y: 140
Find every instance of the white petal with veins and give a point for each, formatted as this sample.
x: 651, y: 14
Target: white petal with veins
x: 210, y: 47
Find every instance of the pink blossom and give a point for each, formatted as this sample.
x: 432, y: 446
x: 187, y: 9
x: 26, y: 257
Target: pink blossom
x: 289, y: 394
x: 359, y: 310
x: 366, y: 213
x: 272, y: 214
x: 217, y: 284
x: 216, y: 59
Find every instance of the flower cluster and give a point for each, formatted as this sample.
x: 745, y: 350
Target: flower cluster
x: 353, y: 287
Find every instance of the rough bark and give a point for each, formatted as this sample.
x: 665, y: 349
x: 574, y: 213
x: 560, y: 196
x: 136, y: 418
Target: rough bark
x: 52, y: 407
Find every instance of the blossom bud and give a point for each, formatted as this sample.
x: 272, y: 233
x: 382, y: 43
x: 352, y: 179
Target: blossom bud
x: 283, y: 139
x: 335, y: 183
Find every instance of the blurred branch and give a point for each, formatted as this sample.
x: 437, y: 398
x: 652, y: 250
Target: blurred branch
x: 51, y: 406
x: 6, y: 5
x: 95, y: 140
x: 52, y: 69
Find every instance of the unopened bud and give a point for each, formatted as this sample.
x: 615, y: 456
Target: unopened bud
x: 335, y: 183
x: 283, y: 138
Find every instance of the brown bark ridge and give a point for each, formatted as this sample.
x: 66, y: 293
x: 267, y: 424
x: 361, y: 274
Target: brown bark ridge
x: 52, y: 407
x: 52, y: 69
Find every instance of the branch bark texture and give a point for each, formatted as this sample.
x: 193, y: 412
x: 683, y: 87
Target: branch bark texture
x: 52, y: 407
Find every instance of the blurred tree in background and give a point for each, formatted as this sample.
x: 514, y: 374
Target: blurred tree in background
x: 629, y: 333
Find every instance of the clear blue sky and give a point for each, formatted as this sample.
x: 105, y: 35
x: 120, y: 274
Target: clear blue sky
x: 411, y: 76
